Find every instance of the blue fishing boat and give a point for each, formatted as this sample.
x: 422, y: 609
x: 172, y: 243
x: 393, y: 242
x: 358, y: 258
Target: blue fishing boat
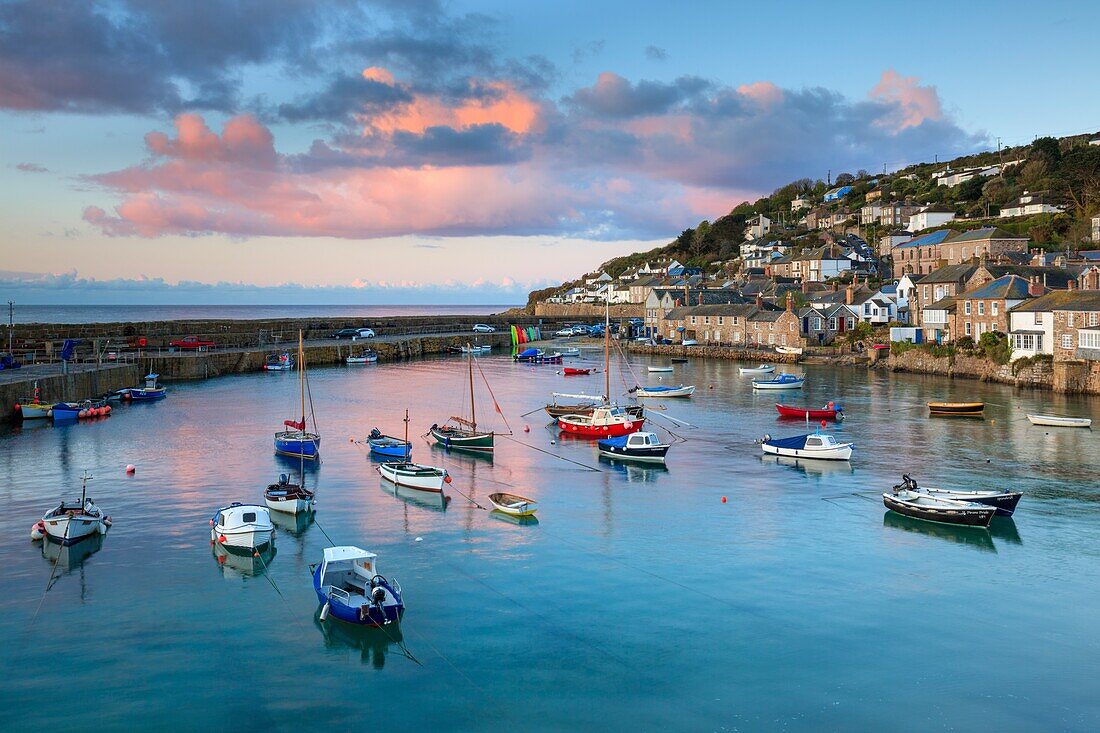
x: 151, y: 391
x: 350, y: 589
x: 387, y: 446
x: 296, y: 441
x: 528, y: 355
x: 783, y: 381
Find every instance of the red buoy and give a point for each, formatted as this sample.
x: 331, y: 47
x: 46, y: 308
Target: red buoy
x: 723, y: 500
x: 447, y: 479
x: 822, y: 423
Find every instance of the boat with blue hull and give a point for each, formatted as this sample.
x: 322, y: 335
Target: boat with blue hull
x: 783, y: 381
x: 296, y: 441
x: 646, y: 447
x: 350, y: 589
x: 1003, y: 501
x: 388, y: 447
x: 151, y: 391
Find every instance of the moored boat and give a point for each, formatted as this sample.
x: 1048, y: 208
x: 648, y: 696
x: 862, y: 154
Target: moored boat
x: 242, y: 527
x: 150, y: 391
x: 605, y: 421
x: 830, y: 411
x: 514, y: 504
x: 367, y: 357
x: 783, y: 381
x: 571, y: 352
x: 415, y: 476
x: 959, y: 409
x: 788, y: 349
x: 762, y: 369
x: 528, y: 354
x: 387, y: 446
x: 289, y: 498
x: 1057, y: 421
x: 461, y: 433
x: 812, y: 445
x: 350, y: 589
x: 590, y: 403
x: 296, y: 441
x: 639, y: 446
x: 920, y: 505
x: 1003, y: 501
x: 69, y: 523
x: 33, y: 408
x: 574, y: 372
x: 279, y: 362
x: 678, y: 360
x: 80, y: 410
x: 663, y: 391
x: 659, y: 369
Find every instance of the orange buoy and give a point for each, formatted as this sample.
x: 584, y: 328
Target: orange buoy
x: 18, y: 407
x: 723, y: 500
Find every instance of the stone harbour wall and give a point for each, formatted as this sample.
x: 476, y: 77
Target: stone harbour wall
x: 1039, y: 375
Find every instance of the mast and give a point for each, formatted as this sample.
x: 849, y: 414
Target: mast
x: 302, y: 378
x: 407, y: 451
x: 83, y: 492
x: 607, y: 350
x: 470, y: 363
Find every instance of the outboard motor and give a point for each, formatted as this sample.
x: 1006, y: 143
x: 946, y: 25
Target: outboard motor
x: 375, y: 433
x: 284, y: 479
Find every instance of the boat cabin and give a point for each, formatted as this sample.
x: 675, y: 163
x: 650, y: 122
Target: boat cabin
x: 348, y: 569
x: 821, y: 441
x: 151, y: 381
x: 237, y: 515
x: 642, y: 440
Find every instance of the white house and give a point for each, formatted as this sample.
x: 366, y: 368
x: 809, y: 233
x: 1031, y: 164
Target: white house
x: 757, y: 227
x: 951, y: 178
x: 930, y: 216
x: 905, y: 290
x: 759, y: 253
x: 870, y: 213
x: 1096, y: 228
x: 603, y: 277
x: 1031, y: 328
x: 1028, y: 204
x: 574, y: 295
x: 802, y: 202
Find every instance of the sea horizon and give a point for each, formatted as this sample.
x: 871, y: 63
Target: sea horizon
x: 123, y: 313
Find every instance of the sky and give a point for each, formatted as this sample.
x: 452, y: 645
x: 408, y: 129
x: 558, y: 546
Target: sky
x: 385, y: 151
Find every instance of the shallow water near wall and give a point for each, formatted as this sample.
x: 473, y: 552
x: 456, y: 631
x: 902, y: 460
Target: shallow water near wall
x: 639, y: 601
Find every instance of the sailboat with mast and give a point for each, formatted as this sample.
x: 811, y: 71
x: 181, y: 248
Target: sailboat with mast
x: 296, y: 441
x: 414, y: 475
x: 605, y: 420
x: 461, y: 433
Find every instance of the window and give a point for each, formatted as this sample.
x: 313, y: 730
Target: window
x: 817, y: 324
x: 248, y: 517
x: 693, y: 320
x: 721, y: 320
x: 993, y: 307
x: 1088, y: 339
x: 771, y: 338
x: 968, y: 328
x: 1027, y: 341
x: 981, y: 307
x: 706, y: 320
x: 1094, y: 319
x: 851, y: 323
x: 1069, y: 320
x: 1038, y: 318
x: 832, y: 324
x: 1067, y: 341
x: 939, y: 292
x: 966, y: 307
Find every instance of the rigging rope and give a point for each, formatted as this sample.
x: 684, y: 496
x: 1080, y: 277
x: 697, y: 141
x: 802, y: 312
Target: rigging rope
x: 554, y: 455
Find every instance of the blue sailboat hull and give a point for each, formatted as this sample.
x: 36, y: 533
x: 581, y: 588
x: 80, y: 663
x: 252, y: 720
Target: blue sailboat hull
x: 362, y: 616
x: 297, y: 446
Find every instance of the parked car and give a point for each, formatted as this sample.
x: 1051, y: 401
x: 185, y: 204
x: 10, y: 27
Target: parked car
x: 483, y: 328
x: 581, y: 330
x: 191, y: 342
x: 354, y: 333
x: 564, y: 332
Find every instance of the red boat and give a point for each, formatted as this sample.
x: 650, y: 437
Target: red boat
x: 573, y: 372
x: 831, y: 411
x: 604, y: 422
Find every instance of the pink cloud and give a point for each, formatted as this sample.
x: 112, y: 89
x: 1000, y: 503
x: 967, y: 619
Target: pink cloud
x: 912, y: 103
x: 504, y: 105
x: 763, y: 93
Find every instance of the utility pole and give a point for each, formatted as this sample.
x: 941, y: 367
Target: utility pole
x: 11, y: 326
x: 1000, y: 158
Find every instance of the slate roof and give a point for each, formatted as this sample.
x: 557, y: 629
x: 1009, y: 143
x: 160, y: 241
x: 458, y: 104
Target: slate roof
x: 947, y: 303
x: 950, y: 274
x: 980, y: 235
x: 1055, y: 277
x: 1009, y: 287
x: 936, y: 237
x: 1062, y: 300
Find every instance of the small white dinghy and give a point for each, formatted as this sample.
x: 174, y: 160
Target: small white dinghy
x: 1055, y: 421
x: 661, y: 369
x: 788, y: 349
x: 69, y: 523
x: 762, y: 369
x: 242, y: 528
x: 813, y: 445
x: 660, y: 391
x: 514, y: 504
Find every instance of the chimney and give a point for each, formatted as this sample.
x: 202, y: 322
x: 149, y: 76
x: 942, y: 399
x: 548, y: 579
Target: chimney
x: 1034, y: 289
x: 790, y: 303
x: 836, y: 286
x: 1072, y: 284
x: 759, y: 300
x: 850, y: 294
x: 805, y: 286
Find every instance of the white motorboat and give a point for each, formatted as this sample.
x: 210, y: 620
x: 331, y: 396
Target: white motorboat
x: 788, y: 349
x: 783, y: 381
x: 69, y: 523
x: 367, y: 357
x: 242, y: 527
x: 640, y: 446
x: 1056, y: 421
x: 762, y: 369
x: 415, y: 476
x: 689, y: 342
x: 813, y: 445
x: 571, y: 352
x: 660, y: 369
x: 660, y: 391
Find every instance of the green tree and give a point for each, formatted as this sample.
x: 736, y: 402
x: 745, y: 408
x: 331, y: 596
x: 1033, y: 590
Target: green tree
x: 1046, y: 150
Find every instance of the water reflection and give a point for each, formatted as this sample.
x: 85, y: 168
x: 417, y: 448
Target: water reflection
x: 414, y: 497
x: 810, y: 467
x: 71, y: 557
x: 293, y: 524
x: 977, y: 537
x: 373, y: 644
x: 513, y: 519
x: 633, y: 471
x: 296, y: 465
x: 462, y: 456
x: 1004, y: 528
x: 235, y: 565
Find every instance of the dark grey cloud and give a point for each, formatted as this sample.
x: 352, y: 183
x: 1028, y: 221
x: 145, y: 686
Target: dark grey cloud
x: 613, y: 96
x: 656, y: 53
x: 491, y: 144
x: 343, y: 97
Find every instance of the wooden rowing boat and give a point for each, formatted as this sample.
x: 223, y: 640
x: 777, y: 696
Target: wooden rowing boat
x: 960, y: 409
x: 1055, y: 421
x: 514, y: 504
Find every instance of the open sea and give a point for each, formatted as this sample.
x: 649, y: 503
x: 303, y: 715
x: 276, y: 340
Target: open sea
x: 640, y: 601
x: 127, y: 313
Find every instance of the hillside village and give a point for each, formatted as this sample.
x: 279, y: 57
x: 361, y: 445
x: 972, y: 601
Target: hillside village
x: 999, y: 251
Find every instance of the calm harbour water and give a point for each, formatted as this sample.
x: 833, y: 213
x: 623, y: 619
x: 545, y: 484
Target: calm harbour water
x: 639, y: 602
x: 126, y: 313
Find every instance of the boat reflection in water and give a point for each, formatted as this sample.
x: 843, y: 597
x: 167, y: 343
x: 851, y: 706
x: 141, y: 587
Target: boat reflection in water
x: 373, y: 644
x: 977, y: 537
x: 528, y: 521
x: 293, y: 524
x: 459, y: 455
x: 810, y: 467
x: 1004, y: 528
x: 297, y: 465
x: 71, y: 557
x: 633, y: 471
x: 414, y: 497
x: 236, y: 565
